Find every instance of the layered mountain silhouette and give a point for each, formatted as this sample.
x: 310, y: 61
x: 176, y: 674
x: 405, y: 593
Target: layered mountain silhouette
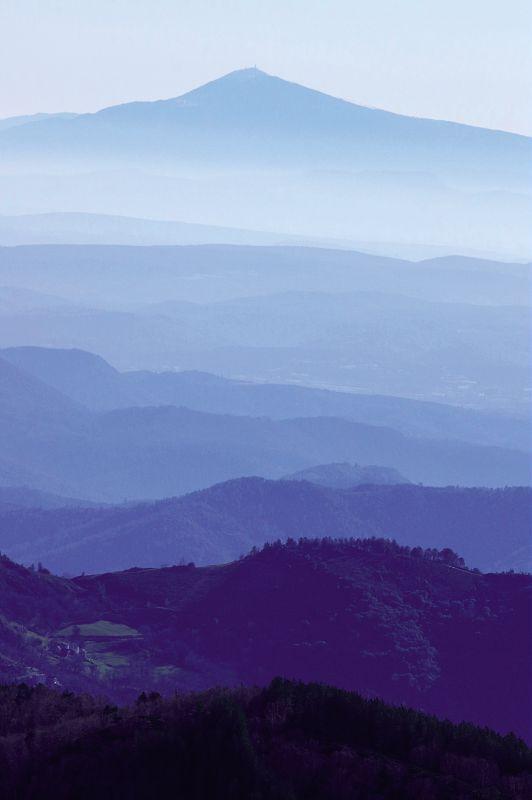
x: 123, y: 276
x: 74, y: 228
x: 28, y: 119
x: 19, y: 497
x: 92, y: 382
x: 218, y: 524
x: 233, y: 448
x: 253, y: 323
x: 247, y: 148
x: 152, y: 452
x: 250, y: 116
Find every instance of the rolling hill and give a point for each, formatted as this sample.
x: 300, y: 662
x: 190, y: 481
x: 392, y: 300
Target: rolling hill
x: 89, y: 380
x: 288, y: 739
x: 112, y: 276
x: 346, y: 476
x: 74, y: 228
x: 413, y: 627
x: 100, y: 229
x: 152, y: 452
x: 19, y: 497
x: 363, y: 341
x: 29, y: 119
x: 491, y: 528
x: 148, y: 453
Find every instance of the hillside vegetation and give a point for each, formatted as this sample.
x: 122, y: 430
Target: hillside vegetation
x: 408, y: 625
x: 286, y: 741
x: 490, y: 527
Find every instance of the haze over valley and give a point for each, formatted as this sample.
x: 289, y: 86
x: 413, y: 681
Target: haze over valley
x: 265, y: 382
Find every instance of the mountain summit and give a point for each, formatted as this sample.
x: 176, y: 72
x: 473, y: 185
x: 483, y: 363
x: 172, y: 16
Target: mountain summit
x: 252, y: 90
x: 251, y: 150
x: 286, y: 121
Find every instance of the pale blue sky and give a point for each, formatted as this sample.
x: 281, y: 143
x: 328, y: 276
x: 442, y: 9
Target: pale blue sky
x: 466, y: 60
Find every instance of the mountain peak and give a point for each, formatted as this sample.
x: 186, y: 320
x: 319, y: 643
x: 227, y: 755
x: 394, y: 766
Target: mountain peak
x: 252, y: 93
x: 239, y: 76
x: 245, y: 72
x: 236, y: 78
x: 240, y: 80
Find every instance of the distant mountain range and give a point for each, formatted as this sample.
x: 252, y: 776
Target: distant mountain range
x: 90, y: 381
x: 52, y: 443
x: 122, y: 277
x: 234, y: 447
x: 104, y: 229
x: 249, y: 117
x: 19, y: 497
x: 29, y: 119
x: 101, y: 229
x: 490, y: 527
x: 414, y: 627
x: 341, y: 327
x: 248, y: 150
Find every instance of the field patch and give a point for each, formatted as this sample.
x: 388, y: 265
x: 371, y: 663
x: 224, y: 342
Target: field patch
x: 101, y: 629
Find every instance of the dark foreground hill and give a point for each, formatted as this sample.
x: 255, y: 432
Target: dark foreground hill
x: 287, y: 741
x: 410, y: 626
x: 491, y: 528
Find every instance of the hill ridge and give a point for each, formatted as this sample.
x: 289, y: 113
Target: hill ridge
x: 409, y: 625
x: 489, y: 527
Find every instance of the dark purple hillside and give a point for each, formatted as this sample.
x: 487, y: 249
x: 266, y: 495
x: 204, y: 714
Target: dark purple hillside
x: 410, y: 627
x: 407, y: 625
x: 288, y: 740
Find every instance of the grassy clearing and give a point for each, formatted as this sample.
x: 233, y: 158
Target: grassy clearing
x: 100, y: 629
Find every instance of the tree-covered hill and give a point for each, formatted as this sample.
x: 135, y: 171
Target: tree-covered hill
x: 286, y: 741
x: 407, y: 625
x: 490, y: 528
